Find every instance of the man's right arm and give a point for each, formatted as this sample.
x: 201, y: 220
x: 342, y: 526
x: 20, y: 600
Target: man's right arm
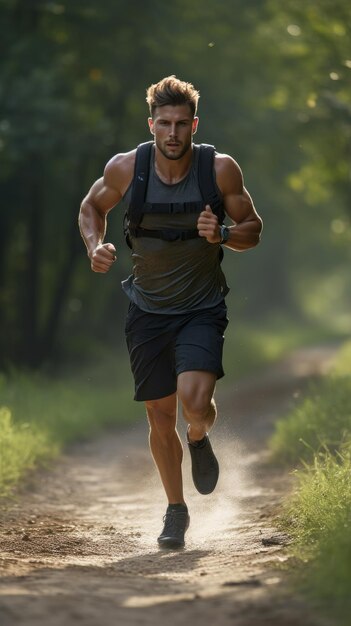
x: 105, y: 193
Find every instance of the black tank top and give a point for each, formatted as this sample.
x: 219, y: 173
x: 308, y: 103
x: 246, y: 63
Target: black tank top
x: 179, y: 276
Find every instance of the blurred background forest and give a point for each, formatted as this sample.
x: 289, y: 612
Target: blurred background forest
x: 275, y: 92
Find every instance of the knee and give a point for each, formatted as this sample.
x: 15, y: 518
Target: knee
x: 197, y: 404
x: 195, y: 391
x: 162, y: 422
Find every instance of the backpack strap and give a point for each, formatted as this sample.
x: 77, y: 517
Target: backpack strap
x: 140, y: 181
x: 207, y: 181
x: 208, y: 186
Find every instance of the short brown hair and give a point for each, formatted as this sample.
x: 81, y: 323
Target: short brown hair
x: 171, y: 90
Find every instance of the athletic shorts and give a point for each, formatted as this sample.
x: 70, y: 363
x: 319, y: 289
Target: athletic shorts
x: 162, y: 345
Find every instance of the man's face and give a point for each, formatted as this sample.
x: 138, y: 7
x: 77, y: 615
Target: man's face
x: 173, y: 128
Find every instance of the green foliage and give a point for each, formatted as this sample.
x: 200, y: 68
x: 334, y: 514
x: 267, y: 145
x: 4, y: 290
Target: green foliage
x: 333, y: 563
x: 322, y: 500
x: 322, y: 420
x: 342, y: 362
x: 318, y: 514
x: 73, y: 81
x: 22, y: 447
x: 39, y: 416
x: 313, y: 38
x: 318, y: 519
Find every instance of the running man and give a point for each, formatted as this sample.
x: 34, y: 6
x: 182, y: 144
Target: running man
x: 178, y: 195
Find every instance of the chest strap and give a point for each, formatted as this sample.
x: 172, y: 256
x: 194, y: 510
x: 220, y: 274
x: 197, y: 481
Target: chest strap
x: 167, y: 234
x: 172, y: 207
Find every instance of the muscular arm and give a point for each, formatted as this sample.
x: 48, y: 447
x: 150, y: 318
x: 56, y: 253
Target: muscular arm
x: 105, y: 193
x: 238, y: 205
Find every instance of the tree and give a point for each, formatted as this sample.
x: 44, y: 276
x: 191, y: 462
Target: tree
x: 274, y: 83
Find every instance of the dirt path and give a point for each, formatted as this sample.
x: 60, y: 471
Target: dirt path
x: 79, y: 547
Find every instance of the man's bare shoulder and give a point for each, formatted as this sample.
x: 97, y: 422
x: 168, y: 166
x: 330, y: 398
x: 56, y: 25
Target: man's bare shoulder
x: 228, y: 173
x: 119, y: 171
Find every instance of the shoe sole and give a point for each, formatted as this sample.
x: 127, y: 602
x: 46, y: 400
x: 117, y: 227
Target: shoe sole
x: 170, y: 544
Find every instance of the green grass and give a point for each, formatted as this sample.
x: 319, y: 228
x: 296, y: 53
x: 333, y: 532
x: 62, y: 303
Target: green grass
x: 318, y: 518
x: 39, y: 416
x: 321, y: 502
x: 330, y: 573
x: 342, y: 362
x: 322, y: 420
x: 22, y: 447
x: 318, y: 514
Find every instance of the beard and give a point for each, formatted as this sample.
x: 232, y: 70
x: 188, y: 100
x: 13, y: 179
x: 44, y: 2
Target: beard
x: 176, y: 153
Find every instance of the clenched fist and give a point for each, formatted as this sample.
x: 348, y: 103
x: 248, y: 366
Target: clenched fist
x: 207, y: 225
x: 103, y: 257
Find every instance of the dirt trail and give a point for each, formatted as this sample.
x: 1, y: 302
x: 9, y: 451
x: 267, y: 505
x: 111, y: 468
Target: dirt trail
x: 79, y: 547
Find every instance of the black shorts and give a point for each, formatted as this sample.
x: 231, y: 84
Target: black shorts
x: 161, y: 346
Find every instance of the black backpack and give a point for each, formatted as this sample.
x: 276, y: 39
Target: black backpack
x: 138, y: 206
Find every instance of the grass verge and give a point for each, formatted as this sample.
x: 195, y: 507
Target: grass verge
x: 318, y: 519
x: 323, y: 420
x: 318, y: 515
x: 38, y: 416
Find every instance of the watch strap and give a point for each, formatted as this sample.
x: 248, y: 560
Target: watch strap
x: 224, y: 233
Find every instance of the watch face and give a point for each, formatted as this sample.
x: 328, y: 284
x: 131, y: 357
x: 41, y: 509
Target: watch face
x: 224, y: 233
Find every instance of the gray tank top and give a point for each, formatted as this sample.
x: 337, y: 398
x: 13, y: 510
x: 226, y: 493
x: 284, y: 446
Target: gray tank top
x: 180, y: 276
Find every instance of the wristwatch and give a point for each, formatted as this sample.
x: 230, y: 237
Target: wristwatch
x: 224, y: 232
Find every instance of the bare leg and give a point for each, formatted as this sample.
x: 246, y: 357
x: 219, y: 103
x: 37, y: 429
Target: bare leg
x: 195, y: 391
x: 165, y: 445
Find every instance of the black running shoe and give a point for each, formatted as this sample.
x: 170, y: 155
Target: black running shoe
x: 204, y: 465
x: 176, y: 524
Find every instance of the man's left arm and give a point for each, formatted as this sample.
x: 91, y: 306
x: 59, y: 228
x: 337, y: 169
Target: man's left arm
x: 247, y: 225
